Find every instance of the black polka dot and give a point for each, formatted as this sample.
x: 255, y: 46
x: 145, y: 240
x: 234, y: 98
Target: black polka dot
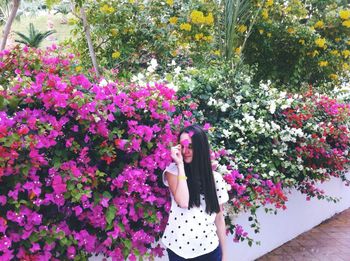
x: 216, y: 181
x: 205, y: 249
x: 167, y: 224
x: 178, y: 206
x: 182, y: 214
x: 175, y: 218
x: 222, y: 188
x: 169, y: 244
x: 186, y: 221
x: 201, y: 211
x: 200, y: 244
x: 164, y: 236
x: 199, y: 223
x: 175, y: 240
x: 217, y: 189
x: 188, y: 243
x: 196, y: 237
x: 194, y: 216
x: 211, y: 242
x: 191, y: 229
x: 219, y: 196
x: 206, y: 236
x: 183, y: 234
x: 171, y: 211
x: 192, y: 249
x: 179, y: 226
x: 172, y: 231
x: 179, y: 247
x: 203, y: 231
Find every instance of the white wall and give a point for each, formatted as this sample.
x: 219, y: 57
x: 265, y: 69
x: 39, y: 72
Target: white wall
x: 300, y: 216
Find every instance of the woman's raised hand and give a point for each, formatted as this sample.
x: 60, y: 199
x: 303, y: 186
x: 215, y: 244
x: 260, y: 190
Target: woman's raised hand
x: 176, y: 154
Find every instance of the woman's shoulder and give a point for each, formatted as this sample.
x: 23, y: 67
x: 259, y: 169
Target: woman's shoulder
x: 172, y: 168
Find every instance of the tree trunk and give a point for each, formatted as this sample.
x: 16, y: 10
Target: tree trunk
x: 9, y: 22
x: 89, y: 41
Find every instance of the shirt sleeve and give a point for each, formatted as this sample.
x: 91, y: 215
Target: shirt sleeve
x: 221, y: 188
x: 172, y: 169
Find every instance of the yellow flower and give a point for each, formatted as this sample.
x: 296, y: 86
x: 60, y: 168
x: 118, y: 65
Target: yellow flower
x: 321, y: 42
x: 346, y: 53
x: 337, y: 40
x: 261, y: 31
x: 209, y: 38
x: 348, y: 42
x: 315, y: 53
x: 170, y: 2
x: 217, y: 52
x: 209, y: 19
x: 107, y: 9
x: 116, y: 54
x: 302, y: 41
x: 269, y: 3
x: 185, y: 27
x: 346, y: 66
x: 333, y: 76
x: 346, y: 23
x: 335, y: 52
x: 238, y: 50
x: 72, y: 21
x: 265, y: 14
x: 344, y: 14
x: 173, y: 20
x: 198, y: 36
x: 319, y: 24
x: 197, y: 17
x: 131, y: 1
x: 242, y: 28
x: 78, y: 68
x: 114, y: 32
x: 269, y: 34
x: 323, y: 63
x: 174, y: 53
x: 291, y: 30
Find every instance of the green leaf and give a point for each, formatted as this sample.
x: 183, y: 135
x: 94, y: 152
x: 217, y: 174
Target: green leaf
x: 110, y: 214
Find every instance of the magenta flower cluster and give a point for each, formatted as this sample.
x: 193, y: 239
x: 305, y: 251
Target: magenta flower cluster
x: 80, y: 161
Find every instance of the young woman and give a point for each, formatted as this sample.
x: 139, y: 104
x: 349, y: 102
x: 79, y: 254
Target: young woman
x: 196, y: 226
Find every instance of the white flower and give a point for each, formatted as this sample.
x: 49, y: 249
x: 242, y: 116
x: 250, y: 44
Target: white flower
x: 172, y: 86
x: 271, y: 173
x: 103, y: 83
x: 177, y: 70
x: 224, y: 107
x: 272, y: 108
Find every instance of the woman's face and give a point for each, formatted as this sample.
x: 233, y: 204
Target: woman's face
x: 186, y: 147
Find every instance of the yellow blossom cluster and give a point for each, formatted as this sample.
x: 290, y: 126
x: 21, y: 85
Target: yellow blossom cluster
x: 242, y: 28
x: 170, y: 2
x: 107, y: 9
x: 346, y: 23
x: 116, y: 54
x: 321, y: 42
x: 346, y: 53
x: 265, y: 14
x: 114, y: 32
x: 333, y: 76
x: 185, y: 27
x: 197, y: 17
x: 335, y: 52
x: 344, y: 14
x: 319, y: 25
x: 269, y: 3
x: 323, y: 63
x: 302, y: 41
x: 346, y: 66
x: 173, y: 20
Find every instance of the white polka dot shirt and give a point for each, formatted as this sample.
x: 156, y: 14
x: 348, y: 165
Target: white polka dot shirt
x: 192, y: 232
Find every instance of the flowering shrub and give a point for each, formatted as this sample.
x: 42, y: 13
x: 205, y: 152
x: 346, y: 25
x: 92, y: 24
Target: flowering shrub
x: 293, y: 140
x: 80, y: 162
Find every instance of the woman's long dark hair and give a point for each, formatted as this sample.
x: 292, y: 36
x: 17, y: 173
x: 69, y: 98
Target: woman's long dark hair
x: 200, y: 178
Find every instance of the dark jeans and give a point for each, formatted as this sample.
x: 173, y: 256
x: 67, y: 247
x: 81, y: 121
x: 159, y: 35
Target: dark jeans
x: 215, y: 255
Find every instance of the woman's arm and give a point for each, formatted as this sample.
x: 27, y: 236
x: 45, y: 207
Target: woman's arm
x: 178, y: 186
x: 221, y: 232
